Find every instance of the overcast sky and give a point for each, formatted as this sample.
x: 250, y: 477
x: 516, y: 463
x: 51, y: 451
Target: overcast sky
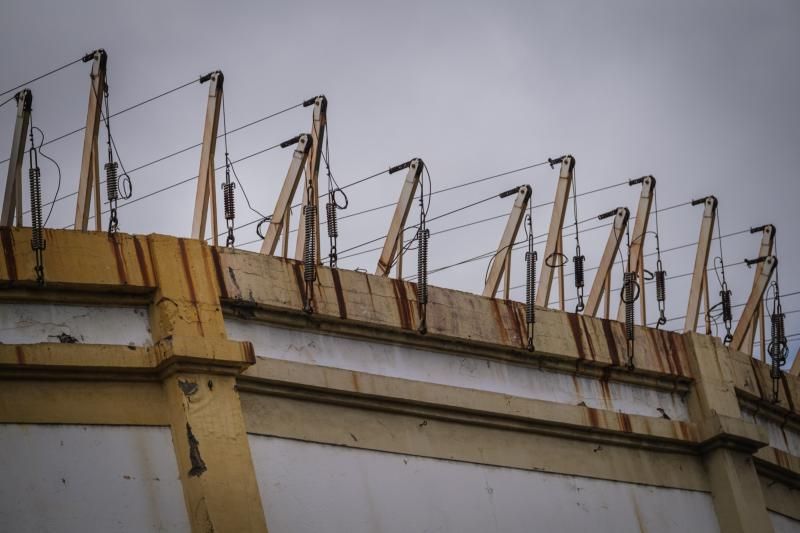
x: 703, y: 95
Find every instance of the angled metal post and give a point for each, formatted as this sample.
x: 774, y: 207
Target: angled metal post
x: 205, y: 177
x: 501, y: 262
x: 700, y: 261
x: 744, y: 333
x: 754, y: 300
x: 602, y: 279
x: 12, y: 200
x: 89, y: 178
x: 282, y: 206
x: 563, y: 189
x: 639, y: 234
x: 390, y: 245
x: 310, y: 194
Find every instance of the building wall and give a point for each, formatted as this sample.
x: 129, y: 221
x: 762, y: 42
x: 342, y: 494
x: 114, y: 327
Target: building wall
x: 198, y: 395
x: 395, y: 360
x: 308, y: 487
x: 78, y: 478
x: 784, y: 524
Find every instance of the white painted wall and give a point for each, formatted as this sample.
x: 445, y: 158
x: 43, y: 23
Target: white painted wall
x: 312, y: 488
x: 784, y: 524
x: 451, y: 369
x: 35, y: 323
x: 782, y: 438
x: 64, y: 479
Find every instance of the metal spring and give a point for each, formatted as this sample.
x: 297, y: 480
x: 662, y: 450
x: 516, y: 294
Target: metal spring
x: 661, y: 286
x: 309, y: 249
x: 37, y: 241
x: 112, y: 181
x: 727, y: 315
x: 422, y: 267
x: 629, y: 297
x: 228, y: 200
x: 579, y: 279
x: 530, y: 287
x: 333, y: 224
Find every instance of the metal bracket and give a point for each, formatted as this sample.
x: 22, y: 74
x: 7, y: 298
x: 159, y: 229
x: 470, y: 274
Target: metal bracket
x: 283, y: 205
x: 602, y: 278
x: 319, y: 126
x: 89, y: 178
x: 637, y: 240
x: 12, y: 201
x: 392, y: 242
x: 744, y: 334
x: 206, y: 187
x: 565, y: 177
x: 699, y: 274
x: 503, y: 255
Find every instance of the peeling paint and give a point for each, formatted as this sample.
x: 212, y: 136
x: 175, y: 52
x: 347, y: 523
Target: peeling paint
x: 198, y: 465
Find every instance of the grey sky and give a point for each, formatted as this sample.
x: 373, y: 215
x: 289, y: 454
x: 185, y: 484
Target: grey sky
x: 703, y: 95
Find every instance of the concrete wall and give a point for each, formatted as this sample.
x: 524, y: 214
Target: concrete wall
x: 69, y: 478
x: 161, y: 415
x: 784, y: 524
x: 781, y: 437
x: 22, y: 323
x: 308, y: 488
x: 406, y: 362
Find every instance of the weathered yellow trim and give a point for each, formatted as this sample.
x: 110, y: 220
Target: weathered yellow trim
x: 781, y: 498
x: 118, y: 263
x: 213, y: 453
x: 325, y: 384
x: 131, y: 403
x: 424, y: 436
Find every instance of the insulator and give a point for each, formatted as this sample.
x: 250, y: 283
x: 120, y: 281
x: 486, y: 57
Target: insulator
x: 579, y: 279
x: 309, y: 248
x: 37, y: 240
x: 629, y: 297
x: 661, y: 286
x: 727, y: 315
x: 228, y: 200
x: 530, y: 287
x: 333, y: 225
x: 422, y: 267
x: 112, y: 182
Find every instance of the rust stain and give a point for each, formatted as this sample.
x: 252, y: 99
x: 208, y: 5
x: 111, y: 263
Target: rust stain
x: 249, y: 352
x: 518, y: 329
x: 625, y: 422
x: 782, y: 458
x: 594, y: 417
x: 610, y: 341
x: 787, y: 392
x: 654, y: 340
x: 577, y: 334
x: 223, y: 289
x: 337, y: 287
x: 355, y: 381
x: 675, y: 352
x: 187, y: 270
x: 757, y: 377
x: 298, y: 277
x: 402, y: 303
x: 8, y: 253
x: 498, y: 319
x: 606, y: 391
x: 20, y: 355
x: 141, y: 260
x: 682, y: 429
x: 588, y: 338
x: 123, y: 276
